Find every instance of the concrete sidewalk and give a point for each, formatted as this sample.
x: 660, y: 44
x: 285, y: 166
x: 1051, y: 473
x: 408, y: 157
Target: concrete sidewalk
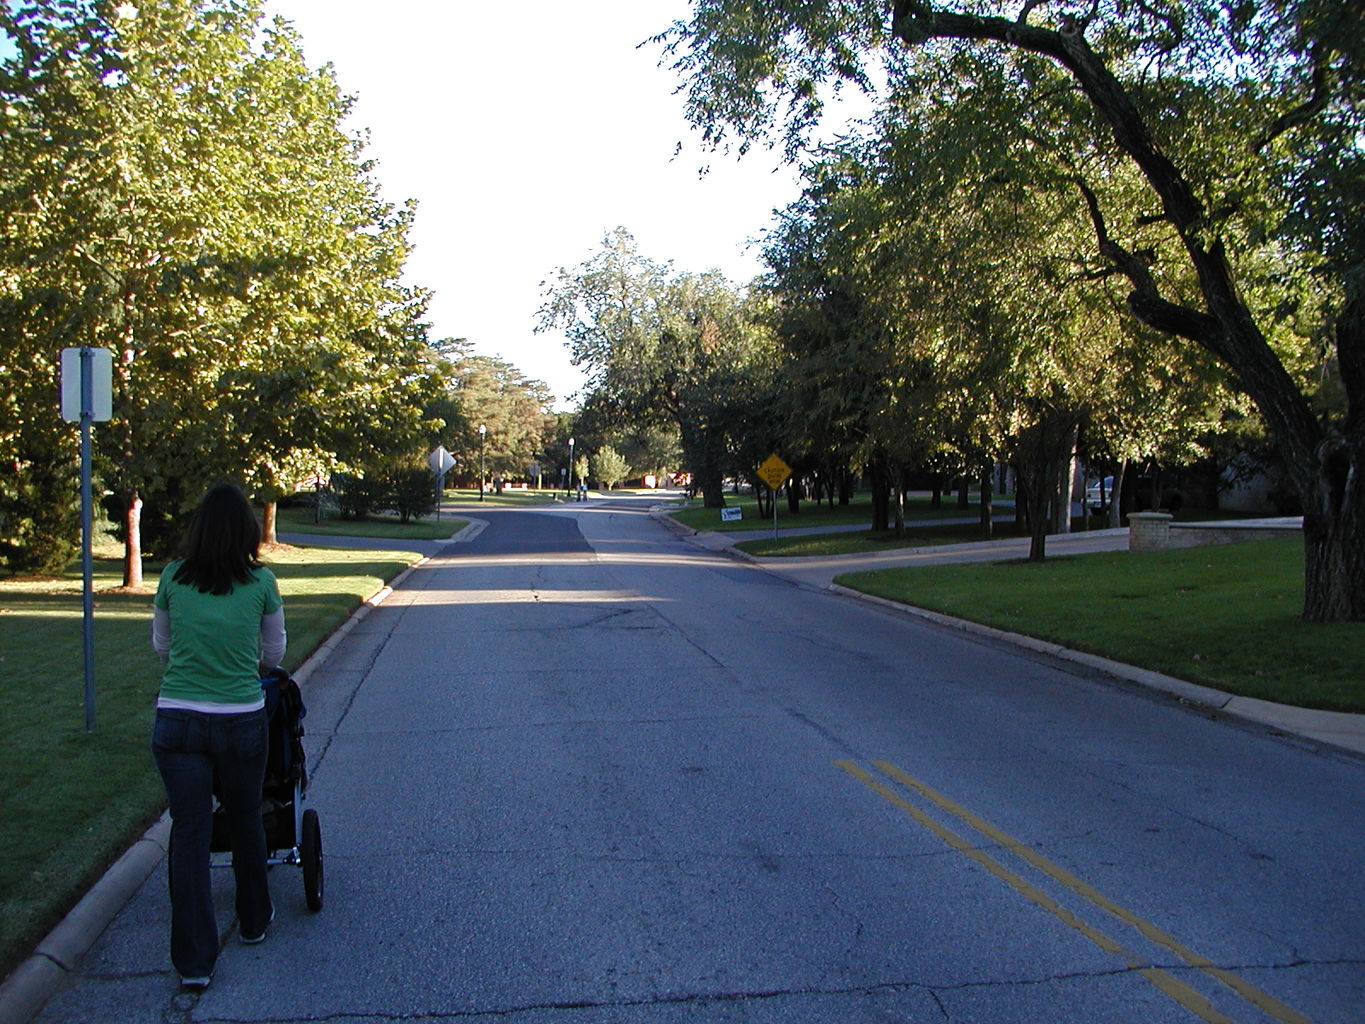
x: 1338, y: 729
x: 820, y: 571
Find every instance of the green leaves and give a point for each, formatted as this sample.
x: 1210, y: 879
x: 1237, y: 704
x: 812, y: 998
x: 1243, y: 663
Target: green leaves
x: 665, y: 347
x: 179, y: 187
x: 489, y: 392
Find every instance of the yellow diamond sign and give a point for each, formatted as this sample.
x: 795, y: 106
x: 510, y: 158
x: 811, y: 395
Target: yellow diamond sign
x: 774, y: 471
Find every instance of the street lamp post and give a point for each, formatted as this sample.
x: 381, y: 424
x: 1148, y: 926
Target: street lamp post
x: 571, y: 480
x: 483, y: 430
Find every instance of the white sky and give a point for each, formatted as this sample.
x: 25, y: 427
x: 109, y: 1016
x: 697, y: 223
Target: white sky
x: 526, y: 131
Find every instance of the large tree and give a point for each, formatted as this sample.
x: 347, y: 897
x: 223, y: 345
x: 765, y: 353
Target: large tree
x: 1244, y: 121
x: 676, y: 348
x: 112, y: 201
x: 180, y: 189
x: 512, y: 409
x: 332, y: 368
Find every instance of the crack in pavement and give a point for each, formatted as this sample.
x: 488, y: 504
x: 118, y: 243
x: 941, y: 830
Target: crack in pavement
x: 934, y: 991
x: 182, y: 1005
x: 573, y: 1006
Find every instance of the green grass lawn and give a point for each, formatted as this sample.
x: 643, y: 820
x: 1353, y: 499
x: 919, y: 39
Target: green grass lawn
x: 467, y: 498
x: 72, y: 801
x: 1225, y: 616
x: 918, y: 508
x: 917, y: 534
x: 301, y: 520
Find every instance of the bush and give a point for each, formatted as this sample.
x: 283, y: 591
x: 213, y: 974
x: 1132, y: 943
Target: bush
x: 409, y: 492
x: 358, y: 496
x: 412, y: 493
x: 40, y: 521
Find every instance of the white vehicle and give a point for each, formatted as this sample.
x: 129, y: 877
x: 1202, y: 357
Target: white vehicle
x: 1099, y: 494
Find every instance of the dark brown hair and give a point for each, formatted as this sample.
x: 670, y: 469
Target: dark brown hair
x: 222, y: 545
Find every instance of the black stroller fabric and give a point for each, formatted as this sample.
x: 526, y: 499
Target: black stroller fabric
x: 285, y: 764
x: 286, y: 776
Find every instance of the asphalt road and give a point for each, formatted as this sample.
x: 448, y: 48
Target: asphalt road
x: 577, y: 771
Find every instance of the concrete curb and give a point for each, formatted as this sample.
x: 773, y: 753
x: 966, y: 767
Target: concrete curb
x: 38, y: 978
x: 1338, y: 729
x: 35, y: 981
x: 472, y: 529
x: 1334, y: 728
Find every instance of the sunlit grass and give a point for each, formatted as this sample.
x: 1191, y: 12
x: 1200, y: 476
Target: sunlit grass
x: 465, y: 498
x: 917, y: 534
x: 1225, y: 616
x: 303, y: 520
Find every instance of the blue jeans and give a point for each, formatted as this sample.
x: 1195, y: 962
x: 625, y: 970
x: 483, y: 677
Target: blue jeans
x: 191, y: 749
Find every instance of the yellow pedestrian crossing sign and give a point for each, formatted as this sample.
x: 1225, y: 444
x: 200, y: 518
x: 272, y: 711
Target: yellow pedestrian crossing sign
x: 774, y: 471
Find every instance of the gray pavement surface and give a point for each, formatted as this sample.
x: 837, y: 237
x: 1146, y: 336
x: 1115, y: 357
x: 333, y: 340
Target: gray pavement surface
x: 574, y: 769
x: 1343, y: 730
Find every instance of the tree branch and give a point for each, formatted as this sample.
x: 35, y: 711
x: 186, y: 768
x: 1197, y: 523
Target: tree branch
x: 1322, y: 93
x: 916, y: 21
x: 1146, y: 301
x: 1228, y: 329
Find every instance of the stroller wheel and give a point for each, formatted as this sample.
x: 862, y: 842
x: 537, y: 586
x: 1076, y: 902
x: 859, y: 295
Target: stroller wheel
x: 310, y: 853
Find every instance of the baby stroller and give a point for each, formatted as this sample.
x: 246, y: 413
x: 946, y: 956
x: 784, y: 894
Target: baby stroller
x: 292, y: 835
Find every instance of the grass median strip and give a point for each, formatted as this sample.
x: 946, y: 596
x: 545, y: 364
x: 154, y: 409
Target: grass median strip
x: 71, y: 801
x: 1226, y: 617
x: 303, y: 520
x: 857, y: 542
x: 858, y: 512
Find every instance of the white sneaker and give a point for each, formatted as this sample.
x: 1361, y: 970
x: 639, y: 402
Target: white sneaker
x: 253, y: 940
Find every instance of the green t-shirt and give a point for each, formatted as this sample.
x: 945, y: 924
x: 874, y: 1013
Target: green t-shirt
x: 215, y: 638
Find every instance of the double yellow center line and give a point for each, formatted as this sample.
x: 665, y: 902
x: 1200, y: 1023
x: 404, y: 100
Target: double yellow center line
x: 1182, y: 992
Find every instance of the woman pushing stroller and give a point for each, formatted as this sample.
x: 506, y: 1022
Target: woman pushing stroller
x: 218, y: 626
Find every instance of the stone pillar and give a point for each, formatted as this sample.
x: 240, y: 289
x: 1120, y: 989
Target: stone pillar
x: 1149, y: 531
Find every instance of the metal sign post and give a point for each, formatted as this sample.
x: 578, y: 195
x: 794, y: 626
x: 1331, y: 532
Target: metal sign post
x: 440, y: 461
x: 774, y: 473
x: 87, y: 397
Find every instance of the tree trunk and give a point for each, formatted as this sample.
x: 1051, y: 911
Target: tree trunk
x: 132, y: 541
x: 1036, y: 513
x: 1066, y: 475
x: 881, y: 514
x: 964, y: 497
x: 1334, y: 537
x: 898, y: 496
x: 269, y: 512
x: 987, y: 499
x: 712, y: 490
x: 1121, y: 499
x: 1041, y: 449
